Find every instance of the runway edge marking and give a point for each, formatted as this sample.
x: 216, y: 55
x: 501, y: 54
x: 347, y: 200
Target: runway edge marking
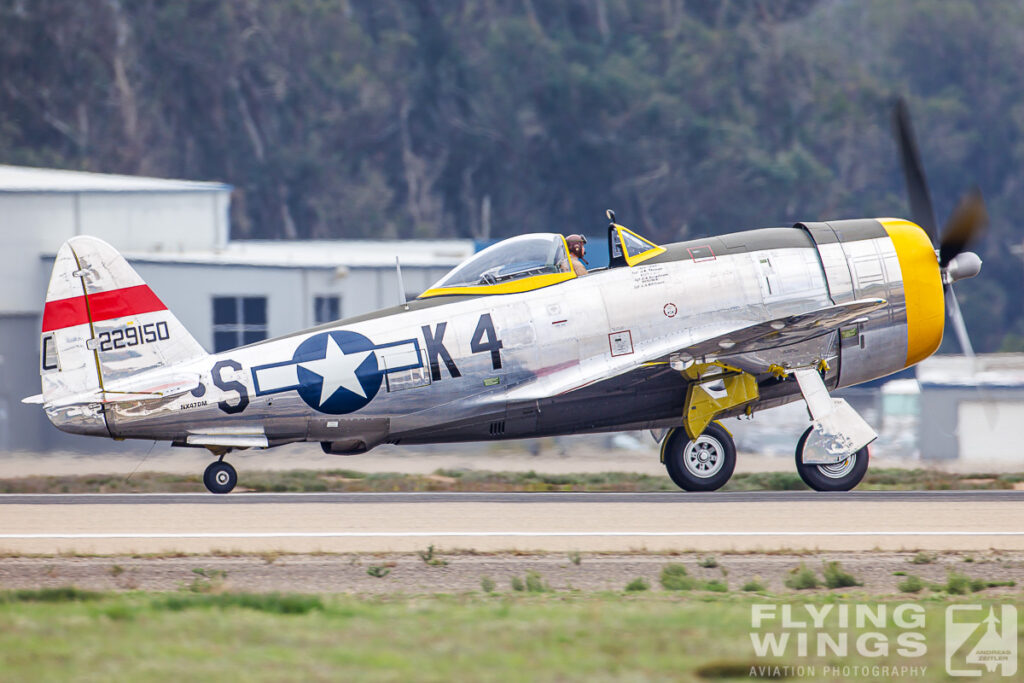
x: 521, y: 534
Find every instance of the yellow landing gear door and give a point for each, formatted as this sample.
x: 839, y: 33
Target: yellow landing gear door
x: 704, y: 402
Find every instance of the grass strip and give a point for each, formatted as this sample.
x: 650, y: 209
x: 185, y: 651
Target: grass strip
x: 561, y: 635
x: 314, y: 481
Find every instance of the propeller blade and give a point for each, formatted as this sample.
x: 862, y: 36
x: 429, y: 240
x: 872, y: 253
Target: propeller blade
x: 957, y: 318
x: 963, y: 227
x: 921, y: 210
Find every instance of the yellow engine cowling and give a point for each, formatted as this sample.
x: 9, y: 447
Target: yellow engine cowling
x: 922, y: 288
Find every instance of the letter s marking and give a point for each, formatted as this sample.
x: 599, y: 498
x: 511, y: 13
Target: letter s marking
x: 225, y: 385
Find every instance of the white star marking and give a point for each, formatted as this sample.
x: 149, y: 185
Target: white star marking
x: 338, y: 370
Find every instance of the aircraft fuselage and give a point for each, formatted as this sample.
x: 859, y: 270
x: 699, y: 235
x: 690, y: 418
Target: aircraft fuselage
x: 457, y: 368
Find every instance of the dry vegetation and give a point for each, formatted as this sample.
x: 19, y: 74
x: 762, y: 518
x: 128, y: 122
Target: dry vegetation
x: 486, y: 481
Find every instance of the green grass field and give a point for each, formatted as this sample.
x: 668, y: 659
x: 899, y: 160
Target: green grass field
x: 478, y: 480
x: 637, y: 635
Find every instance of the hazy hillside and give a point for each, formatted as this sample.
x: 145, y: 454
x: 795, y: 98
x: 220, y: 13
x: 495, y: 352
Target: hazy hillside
x: 493, y: 117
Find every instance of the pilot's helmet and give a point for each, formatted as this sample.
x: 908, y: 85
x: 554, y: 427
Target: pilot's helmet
x: 576, y: 243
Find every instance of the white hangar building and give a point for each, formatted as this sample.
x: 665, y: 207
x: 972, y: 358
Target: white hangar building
x: 972, y: 408
x: 176, y: 234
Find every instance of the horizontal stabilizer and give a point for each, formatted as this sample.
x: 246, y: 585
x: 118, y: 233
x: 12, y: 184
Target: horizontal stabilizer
x: 129, y: 390
x: 162, y: 385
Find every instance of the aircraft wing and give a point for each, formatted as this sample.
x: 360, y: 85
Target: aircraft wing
x: 783, y: 331
x: 757, y: 337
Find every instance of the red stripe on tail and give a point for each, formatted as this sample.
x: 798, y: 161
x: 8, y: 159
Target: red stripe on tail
x: 64, y: 313
x: 116, y: 303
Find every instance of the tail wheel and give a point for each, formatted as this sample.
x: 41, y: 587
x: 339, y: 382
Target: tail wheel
x: 220, y: 477
x: 840, y: 476
x: 701, y: 464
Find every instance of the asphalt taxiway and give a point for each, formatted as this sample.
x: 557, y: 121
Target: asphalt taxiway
x: 490, y: 522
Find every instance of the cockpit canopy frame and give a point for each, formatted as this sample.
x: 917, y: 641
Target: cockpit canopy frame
x: 518, y: 264
x: 532, y: 261
x: 626, y: 248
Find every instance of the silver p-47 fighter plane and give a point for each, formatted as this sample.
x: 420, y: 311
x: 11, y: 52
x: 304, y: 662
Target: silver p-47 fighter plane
x: 516, y: 343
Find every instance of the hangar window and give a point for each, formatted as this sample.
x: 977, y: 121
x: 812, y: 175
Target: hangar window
x: 238, y: 320
x: 517, y: 264
x: 326, y: 309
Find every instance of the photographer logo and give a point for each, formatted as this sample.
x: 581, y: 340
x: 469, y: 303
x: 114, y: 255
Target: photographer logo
x: 981, y: 640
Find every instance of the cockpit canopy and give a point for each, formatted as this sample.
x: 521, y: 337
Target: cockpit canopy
x: 517, y: 264
x: 540, y: 259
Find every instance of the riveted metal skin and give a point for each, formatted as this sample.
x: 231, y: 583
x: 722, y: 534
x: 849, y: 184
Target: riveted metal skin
x: 588, y: 354
x: 860, y: 260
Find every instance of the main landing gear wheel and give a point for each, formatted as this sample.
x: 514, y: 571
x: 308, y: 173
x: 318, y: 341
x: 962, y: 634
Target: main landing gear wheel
x: 841, y: 476
x: 220, y: 477
x: 701, y: 464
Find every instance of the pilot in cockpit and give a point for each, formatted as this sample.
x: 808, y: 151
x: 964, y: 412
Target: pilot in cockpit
x: 577, y: 252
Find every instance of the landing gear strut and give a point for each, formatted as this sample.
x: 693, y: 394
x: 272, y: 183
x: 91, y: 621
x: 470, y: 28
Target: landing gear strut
x: 840, y: 476
x: 220, y: 477
x: 701, y: 464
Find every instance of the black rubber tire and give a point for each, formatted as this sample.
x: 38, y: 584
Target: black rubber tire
x: 220, y: 477
x: 715, y: 440
x: 816, y: 477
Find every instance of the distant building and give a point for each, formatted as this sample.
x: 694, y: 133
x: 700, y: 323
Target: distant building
x: 972, y: 409
x: 176, y: 234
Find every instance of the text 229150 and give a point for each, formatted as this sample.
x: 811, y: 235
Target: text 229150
x: 124, y: 337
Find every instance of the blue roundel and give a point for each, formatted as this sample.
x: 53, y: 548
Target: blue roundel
x: 337, y: 372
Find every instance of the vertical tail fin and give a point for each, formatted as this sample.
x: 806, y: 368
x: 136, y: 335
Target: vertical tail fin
x: 102, y: 323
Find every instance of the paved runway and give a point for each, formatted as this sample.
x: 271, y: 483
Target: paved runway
x: 378, y: 522
x: 490, y: 497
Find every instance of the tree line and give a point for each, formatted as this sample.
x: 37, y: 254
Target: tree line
x: 488, y: 118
